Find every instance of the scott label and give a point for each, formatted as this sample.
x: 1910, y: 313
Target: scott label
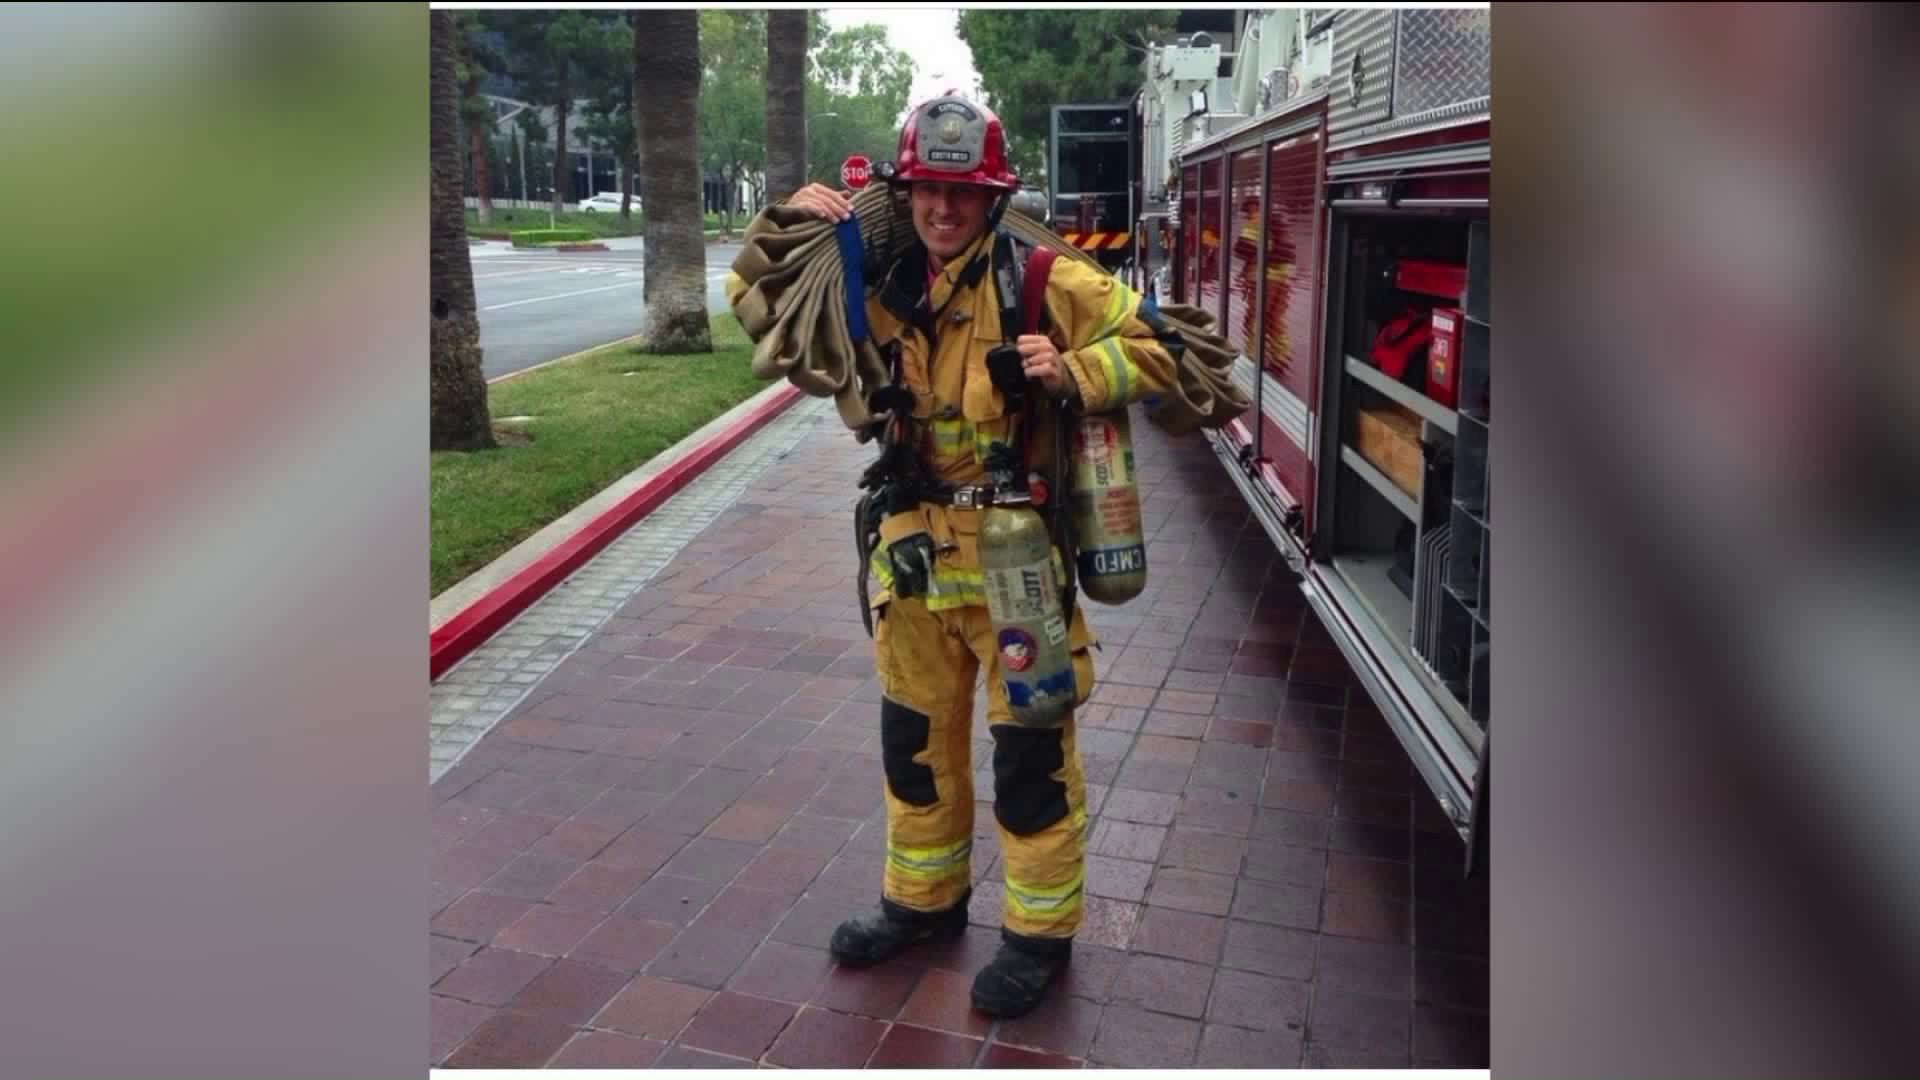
x: 1097, y: 438
x: 1021, y: 594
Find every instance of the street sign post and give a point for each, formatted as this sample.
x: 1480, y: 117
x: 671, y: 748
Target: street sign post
x: 856, y: 171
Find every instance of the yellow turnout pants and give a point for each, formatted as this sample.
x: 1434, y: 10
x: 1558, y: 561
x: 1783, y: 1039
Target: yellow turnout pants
x: 929, y: 663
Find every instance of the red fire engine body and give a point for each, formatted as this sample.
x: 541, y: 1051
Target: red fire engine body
x: 1342, y: 241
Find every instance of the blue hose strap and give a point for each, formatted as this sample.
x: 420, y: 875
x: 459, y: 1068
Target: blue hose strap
x: 851, y: 256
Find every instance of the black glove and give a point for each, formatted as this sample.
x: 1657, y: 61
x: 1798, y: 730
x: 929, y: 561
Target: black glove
x: 891, y: 399
x: 1008, y: 370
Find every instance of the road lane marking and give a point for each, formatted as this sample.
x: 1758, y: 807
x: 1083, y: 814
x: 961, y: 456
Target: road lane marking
x: 518, y: 273
x: 559, y: 296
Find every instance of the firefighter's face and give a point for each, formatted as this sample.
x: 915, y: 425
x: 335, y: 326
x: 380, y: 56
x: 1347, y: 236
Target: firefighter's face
x: 949, y: 216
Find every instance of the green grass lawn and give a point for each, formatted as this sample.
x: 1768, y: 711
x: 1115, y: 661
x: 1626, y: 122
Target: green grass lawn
x: 594, y: 419
x: 599, y: 223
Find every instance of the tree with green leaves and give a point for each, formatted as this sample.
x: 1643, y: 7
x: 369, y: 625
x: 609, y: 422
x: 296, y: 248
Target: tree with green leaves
x: 862, y: 84
x: 787, y: 97
x: 459, y: 419
x: 609, y: 122
x: 666, y: 96
x: 733, y: 99
x: 1030, y: 61
x: 856, y: 88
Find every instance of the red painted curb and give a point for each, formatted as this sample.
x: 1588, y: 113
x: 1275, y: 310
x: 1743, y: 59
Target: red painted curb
x: 484, y: 617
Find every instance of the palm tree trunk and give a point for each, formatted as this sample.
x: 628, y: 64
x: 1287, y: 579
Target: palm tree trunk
x: 482, y: 175
x: 666, y: 91
x: 626, y: 192
x: 649, y: 246
x: 562, y: 167
x: 478, y: 147
x: 459, y: 418
x: 786, y: 102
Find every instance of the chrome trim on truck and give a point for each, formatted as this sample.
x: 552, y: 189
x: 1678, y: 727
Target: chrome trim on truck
x: 1389, y: 682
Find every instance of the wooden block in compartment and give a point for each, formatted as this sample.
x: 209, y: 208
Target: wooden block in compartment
x: 1389, y: 438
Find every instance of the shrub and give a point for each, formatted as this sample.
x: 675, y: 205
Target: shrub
x: 536, y: 237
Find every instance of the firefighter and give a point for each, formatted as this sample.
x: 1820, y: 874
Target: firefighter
x: 933, y: 635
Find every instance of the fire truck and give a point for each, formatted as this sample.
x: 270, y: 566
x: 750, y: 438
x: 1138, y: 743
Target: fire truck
x: 1091, y: 153
x: 1319, y: 180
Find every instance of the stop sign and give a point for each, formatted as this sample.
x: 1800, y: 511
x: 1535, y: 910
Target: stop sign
x: 856, y: 171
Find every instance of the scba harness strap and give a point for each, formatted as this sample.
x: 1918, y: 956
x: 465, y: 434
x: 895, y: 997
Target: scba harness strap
x: 1034, y: 318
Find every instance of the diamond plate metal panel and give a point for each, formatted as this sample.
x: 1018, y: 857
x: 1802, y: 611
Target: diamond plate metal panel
x: 1361, y: 82
x: 1442, y: 58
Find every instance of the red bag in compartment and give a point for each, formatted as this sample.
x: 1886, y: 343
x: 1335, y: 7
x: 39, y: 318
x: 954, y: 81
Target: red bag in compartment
x: 1401, y: 345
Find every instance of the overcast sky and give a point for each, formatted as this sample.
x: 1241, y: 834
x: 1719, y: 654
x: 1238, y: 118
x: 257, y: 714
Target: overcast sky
x: 926, y: 34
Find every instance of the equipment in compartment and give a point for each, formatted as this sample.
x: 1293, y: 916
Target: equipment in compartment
x: 1443, y: 280
x: 1406, y: 320
x: 1416, y: 305
x: 1389, y: 438
x: 1443, y: 357
x: 1400, y: 348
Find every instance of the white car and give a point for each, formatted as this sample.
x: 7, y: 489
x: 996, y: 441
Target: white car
x: 606, y: 200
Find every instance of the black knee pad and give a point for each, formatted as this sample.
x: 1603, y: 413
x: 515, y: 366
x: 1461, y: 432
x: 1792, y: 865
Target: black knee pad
x: 1026, y: 797
x: 904, y: 733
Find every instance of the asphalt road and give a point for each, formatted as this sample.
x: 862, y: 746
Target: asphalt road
x: 536, y: 306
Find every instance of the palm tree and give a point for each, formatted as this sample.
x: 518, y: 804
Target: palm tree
x: 786, y: 102
x: 476, y: 111
x: 459, y: 393
x: 666, y: 99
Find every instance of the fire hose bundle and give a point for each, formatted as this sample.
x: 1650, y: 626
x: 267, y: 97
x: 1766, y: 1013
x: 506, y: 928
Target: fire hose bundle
x: 795, y: 310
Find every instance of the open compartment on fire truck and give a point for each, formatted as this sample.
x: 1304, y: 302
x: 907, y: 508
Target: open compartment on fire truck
x: 1404, y: 525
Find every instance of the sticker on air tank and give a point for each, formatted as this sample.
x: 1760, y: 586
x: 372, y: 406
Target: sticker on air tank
x: 1017, y: 649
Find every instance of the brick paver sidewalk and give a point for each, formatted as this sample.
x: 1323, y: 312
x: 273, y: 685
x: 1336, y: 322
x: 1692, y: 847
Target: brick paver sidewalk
x: 642, y: 862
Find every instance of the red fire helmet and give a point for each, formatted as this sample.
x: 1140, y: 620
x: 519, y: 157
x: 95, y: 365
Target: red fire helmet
x: 955, y: 140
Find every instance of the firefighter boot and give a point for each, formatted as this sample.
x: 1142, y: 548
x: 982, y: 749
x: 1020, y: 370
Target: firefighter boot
x: 1015, y: 981
x: 880, y: 933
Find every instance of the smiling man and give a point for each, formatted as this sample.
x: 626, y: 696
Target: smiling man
x: 937, y: 312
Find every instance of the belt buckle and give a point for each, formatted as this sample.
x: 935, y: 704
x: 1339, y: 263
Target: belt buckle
x: 966, y: 498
